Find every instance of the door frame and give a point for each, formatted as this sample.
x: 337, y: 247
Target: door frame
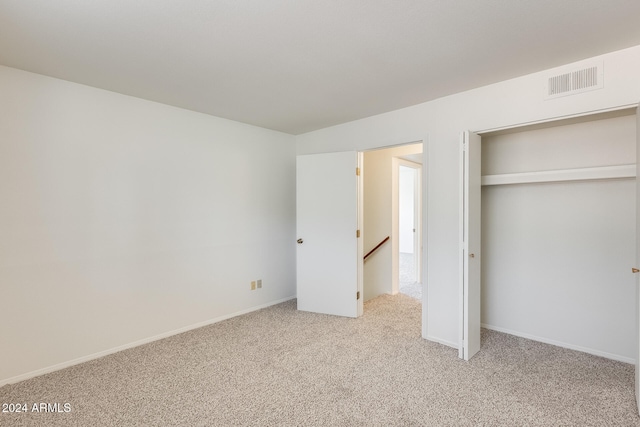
x: 397, y: 162
x: 360, y: 225
x: 545, y: 122
x: 424, y: 185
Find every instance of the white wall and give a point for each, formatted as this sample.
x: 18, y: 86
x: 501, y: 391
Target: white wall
x: 556, y: 256
x: 509, y: 103
x: 378, y: 205
x: 123, y: 219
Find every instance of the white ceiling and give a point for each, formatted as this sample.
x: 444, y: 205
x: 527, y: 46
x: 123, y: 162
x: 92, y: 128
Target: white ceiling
x: 301, y: 65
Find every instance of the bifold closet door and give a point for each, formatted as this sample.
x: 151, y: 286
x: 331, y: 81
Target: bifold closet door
x: 470, y: 256
x: 637, y: 261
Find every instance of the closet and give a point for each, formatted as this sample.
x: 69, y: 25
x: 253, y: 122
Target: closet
x: 558, y: 233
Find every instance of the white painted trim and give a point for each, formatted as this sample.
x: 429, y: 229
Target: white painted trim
x: 461, y: 220
x: 557, y: 118
x: 396, y: 142
x: 424, y: 231
x: 360, y: 244
x: 581, y: 174
x: 561, y: 344
x: 143, y: 341
x: 453, y: 345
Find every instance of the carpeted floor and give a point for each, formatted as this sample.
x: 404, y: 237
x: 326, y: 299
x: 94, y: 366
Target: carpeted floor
x: 279, y: 366
x: 407, y: 284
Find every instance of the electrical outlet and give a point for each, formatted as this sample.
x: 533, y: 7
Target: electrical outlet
x: 259, y: 283
x: 253, y: 285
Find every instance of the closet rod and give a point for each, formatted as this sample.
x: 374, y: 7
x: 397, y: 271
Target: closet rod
x: 581, y: 174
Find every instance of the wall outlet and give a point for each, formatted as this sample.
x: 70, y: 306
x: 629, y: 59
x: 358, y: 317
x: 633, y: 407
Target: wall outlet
x: 259, y: 283
x: 253, y: 285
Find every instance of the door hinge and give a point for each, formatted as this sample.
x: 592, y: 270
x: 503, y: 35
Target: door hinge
x: 357, y: 233
x: 358, y: 295
x: 357, y: 171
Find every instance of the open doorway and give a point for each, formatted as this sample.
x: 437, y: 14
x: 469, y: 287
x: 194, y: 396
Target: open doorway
x: 381, y: 211
x: 409, y: 245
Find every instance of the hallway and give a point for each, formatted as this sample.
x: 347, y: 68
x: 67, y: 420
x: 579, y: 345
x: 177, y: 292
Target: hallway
x: 407, y: 284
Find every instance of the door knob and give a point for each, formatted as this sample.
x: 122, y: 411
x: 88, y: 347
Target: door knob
x: 634, y: 270
x: 300, y: 241
x: 472, y: 255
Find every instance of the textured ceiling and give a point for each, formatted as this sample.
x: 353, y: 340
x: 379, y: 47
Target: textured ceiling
x: 301, y: 65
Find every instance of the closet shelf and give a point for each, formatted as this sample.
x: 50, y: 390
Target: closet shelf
x: 581, y: 174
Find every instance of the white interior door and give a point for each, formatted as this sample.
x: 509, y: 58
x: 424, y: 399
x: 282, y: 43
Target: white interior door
x: 417, y: 227
x: 470, y: 162
x: 328, y: 251
x: 410, y: 212
x: 637, y: 258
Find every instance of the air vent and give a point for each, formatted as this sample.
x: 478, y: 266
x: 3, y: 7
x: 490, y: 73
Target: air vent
x: 575, y: 81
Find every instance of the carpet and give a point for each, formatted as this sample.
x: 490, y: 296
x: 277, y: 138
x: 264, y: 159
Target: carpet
x: 282, y: 367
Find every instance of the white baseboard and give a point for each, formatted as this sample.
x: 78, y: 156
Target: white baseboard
x: 562, y: 344
x: 441, y: 341
x: 137, y: 343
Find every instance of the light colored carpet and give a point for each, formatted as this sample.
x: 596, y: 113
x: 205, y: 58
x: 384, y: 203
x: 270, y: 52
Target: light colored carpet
x: 412, y: 289
x: 407, y: 284
x: 279, y: 366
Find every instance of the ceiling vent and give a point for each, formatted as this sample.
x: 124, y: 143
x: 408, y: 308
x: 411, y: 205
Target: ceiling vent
x: 574, y: 81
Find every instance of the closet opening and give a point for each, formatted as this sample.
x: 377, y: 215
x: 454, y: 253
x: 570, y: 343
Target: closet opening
x: 558, y: 233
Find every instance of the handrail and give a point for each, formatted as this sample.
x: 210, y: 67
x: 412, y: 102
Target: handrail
x: 376, y: 248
